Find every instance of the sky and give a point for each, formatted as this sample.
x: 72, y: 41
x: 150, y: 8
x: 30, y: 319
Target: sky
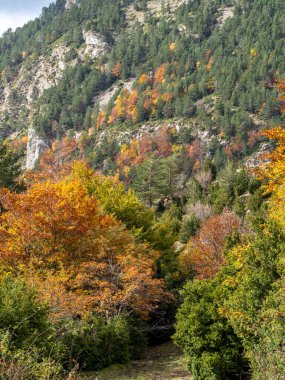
x: 14, y: 13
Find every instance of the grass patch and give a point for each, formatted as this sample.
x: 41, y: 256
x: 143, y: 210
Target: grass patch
x: 163, y: 362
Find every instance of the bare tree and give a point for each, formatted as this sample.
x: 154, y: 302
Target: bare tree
x: 204, y: 179
x: 200, y: 210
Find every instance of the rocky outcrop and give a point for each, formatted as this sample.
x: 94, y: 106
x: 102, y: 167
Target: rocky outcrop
x: 18, y: 92
x: 226, y: 13
x: 259, y: 157
x: 36, y: 147
x: 96, y: 46
x: 20, y: 89
x: 69, y: 3
x: 125, y: 136
x: 135, y: 14
x: 104, y: 98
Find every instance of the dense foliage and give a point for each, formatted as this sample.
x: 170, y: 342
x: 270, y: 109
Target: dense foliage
x: 37, y: 36
x: 145, y: 205
x: 250, y: 293
x: 56, y: 236
x: 181, y: 66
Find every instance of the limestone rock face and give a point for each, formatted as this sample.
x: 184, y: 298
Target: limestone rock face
x: 33, y: 77
x: 36, y: 147
x: 95, y: 44
x: 227, y: 12
x: 69, y: 3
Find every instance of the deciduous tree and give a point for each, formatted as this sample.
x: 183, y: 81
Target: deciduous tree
x: 205, y: 250
x: 56, y: 236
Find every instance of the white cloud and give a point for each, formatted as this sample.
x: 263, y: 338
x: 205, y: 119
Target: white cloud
x: 13, y: 20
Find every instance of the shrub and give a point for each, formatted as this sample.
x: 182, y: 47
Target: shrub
x: 189, y: 227
x: 27, y: 347
x: 214, y: 351
x: 21, y: 313
x: 96, y: 343
x: 26, y: 364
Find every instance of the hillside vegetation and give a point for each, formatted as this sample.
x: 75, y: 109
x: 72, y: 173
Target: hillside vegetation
x: 153, y: 204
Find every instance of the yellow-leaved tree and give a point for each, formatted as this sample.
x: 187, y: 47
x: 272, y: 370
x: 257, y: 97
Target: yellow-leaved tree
x: 272, y: 170
x: 58, y: 237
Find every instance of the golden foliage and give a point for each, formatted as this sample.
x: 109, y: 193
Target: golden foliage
x: 273, y: 169
x: 56, y: 236
x: 101, y: 119
x: 144, y: 79
x: 252, y: 53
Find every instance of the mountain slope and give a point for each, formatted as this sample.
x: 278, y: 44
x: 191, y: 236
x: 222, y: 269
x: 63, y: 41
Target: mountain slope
x: 139, y: 219
x: 205, y: 61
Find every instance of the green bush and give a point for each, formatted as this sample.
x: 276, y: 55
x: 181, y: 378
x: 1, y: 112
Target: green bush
x: 96, y: 344
x: 255, y: 304
x: 207, y: 366
x: 29, y: 349
x: 214, y: 351
x: 27, y: 363
x: 22, y: 314
x: 267, y: 357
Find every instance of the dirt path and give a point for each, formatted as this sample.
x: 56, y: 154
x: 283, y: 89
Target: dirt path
x: 164, y: 362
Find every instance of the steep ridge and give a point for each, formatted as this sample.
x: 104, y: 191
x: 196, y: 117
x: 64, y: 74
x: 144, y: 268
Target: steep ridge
x: 56, y: 67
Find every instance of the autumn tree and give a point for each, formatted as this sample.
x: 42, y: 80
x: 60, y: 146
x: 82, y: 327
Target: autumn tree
x: 101, y: 119
x: 145, y: 146
x: 128, y: 154
x: 123, y: 204
x: 144, y: 80
x: 162, y: 142
x: 253, y: 137
x: 139, y: 150
x: 116, y: 70
x: 56, y: 236
x: 160, y: 73
x: 273, y: 169
x: 195, y: 153
x: 204, y: 253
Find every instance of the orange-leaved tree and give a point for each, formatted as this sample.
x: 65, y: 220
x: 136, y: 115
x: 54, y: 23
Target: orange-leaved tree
x: 56, y: 236
x: 55, y: 162
x: 203, y: 255
x: 116, y: 70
